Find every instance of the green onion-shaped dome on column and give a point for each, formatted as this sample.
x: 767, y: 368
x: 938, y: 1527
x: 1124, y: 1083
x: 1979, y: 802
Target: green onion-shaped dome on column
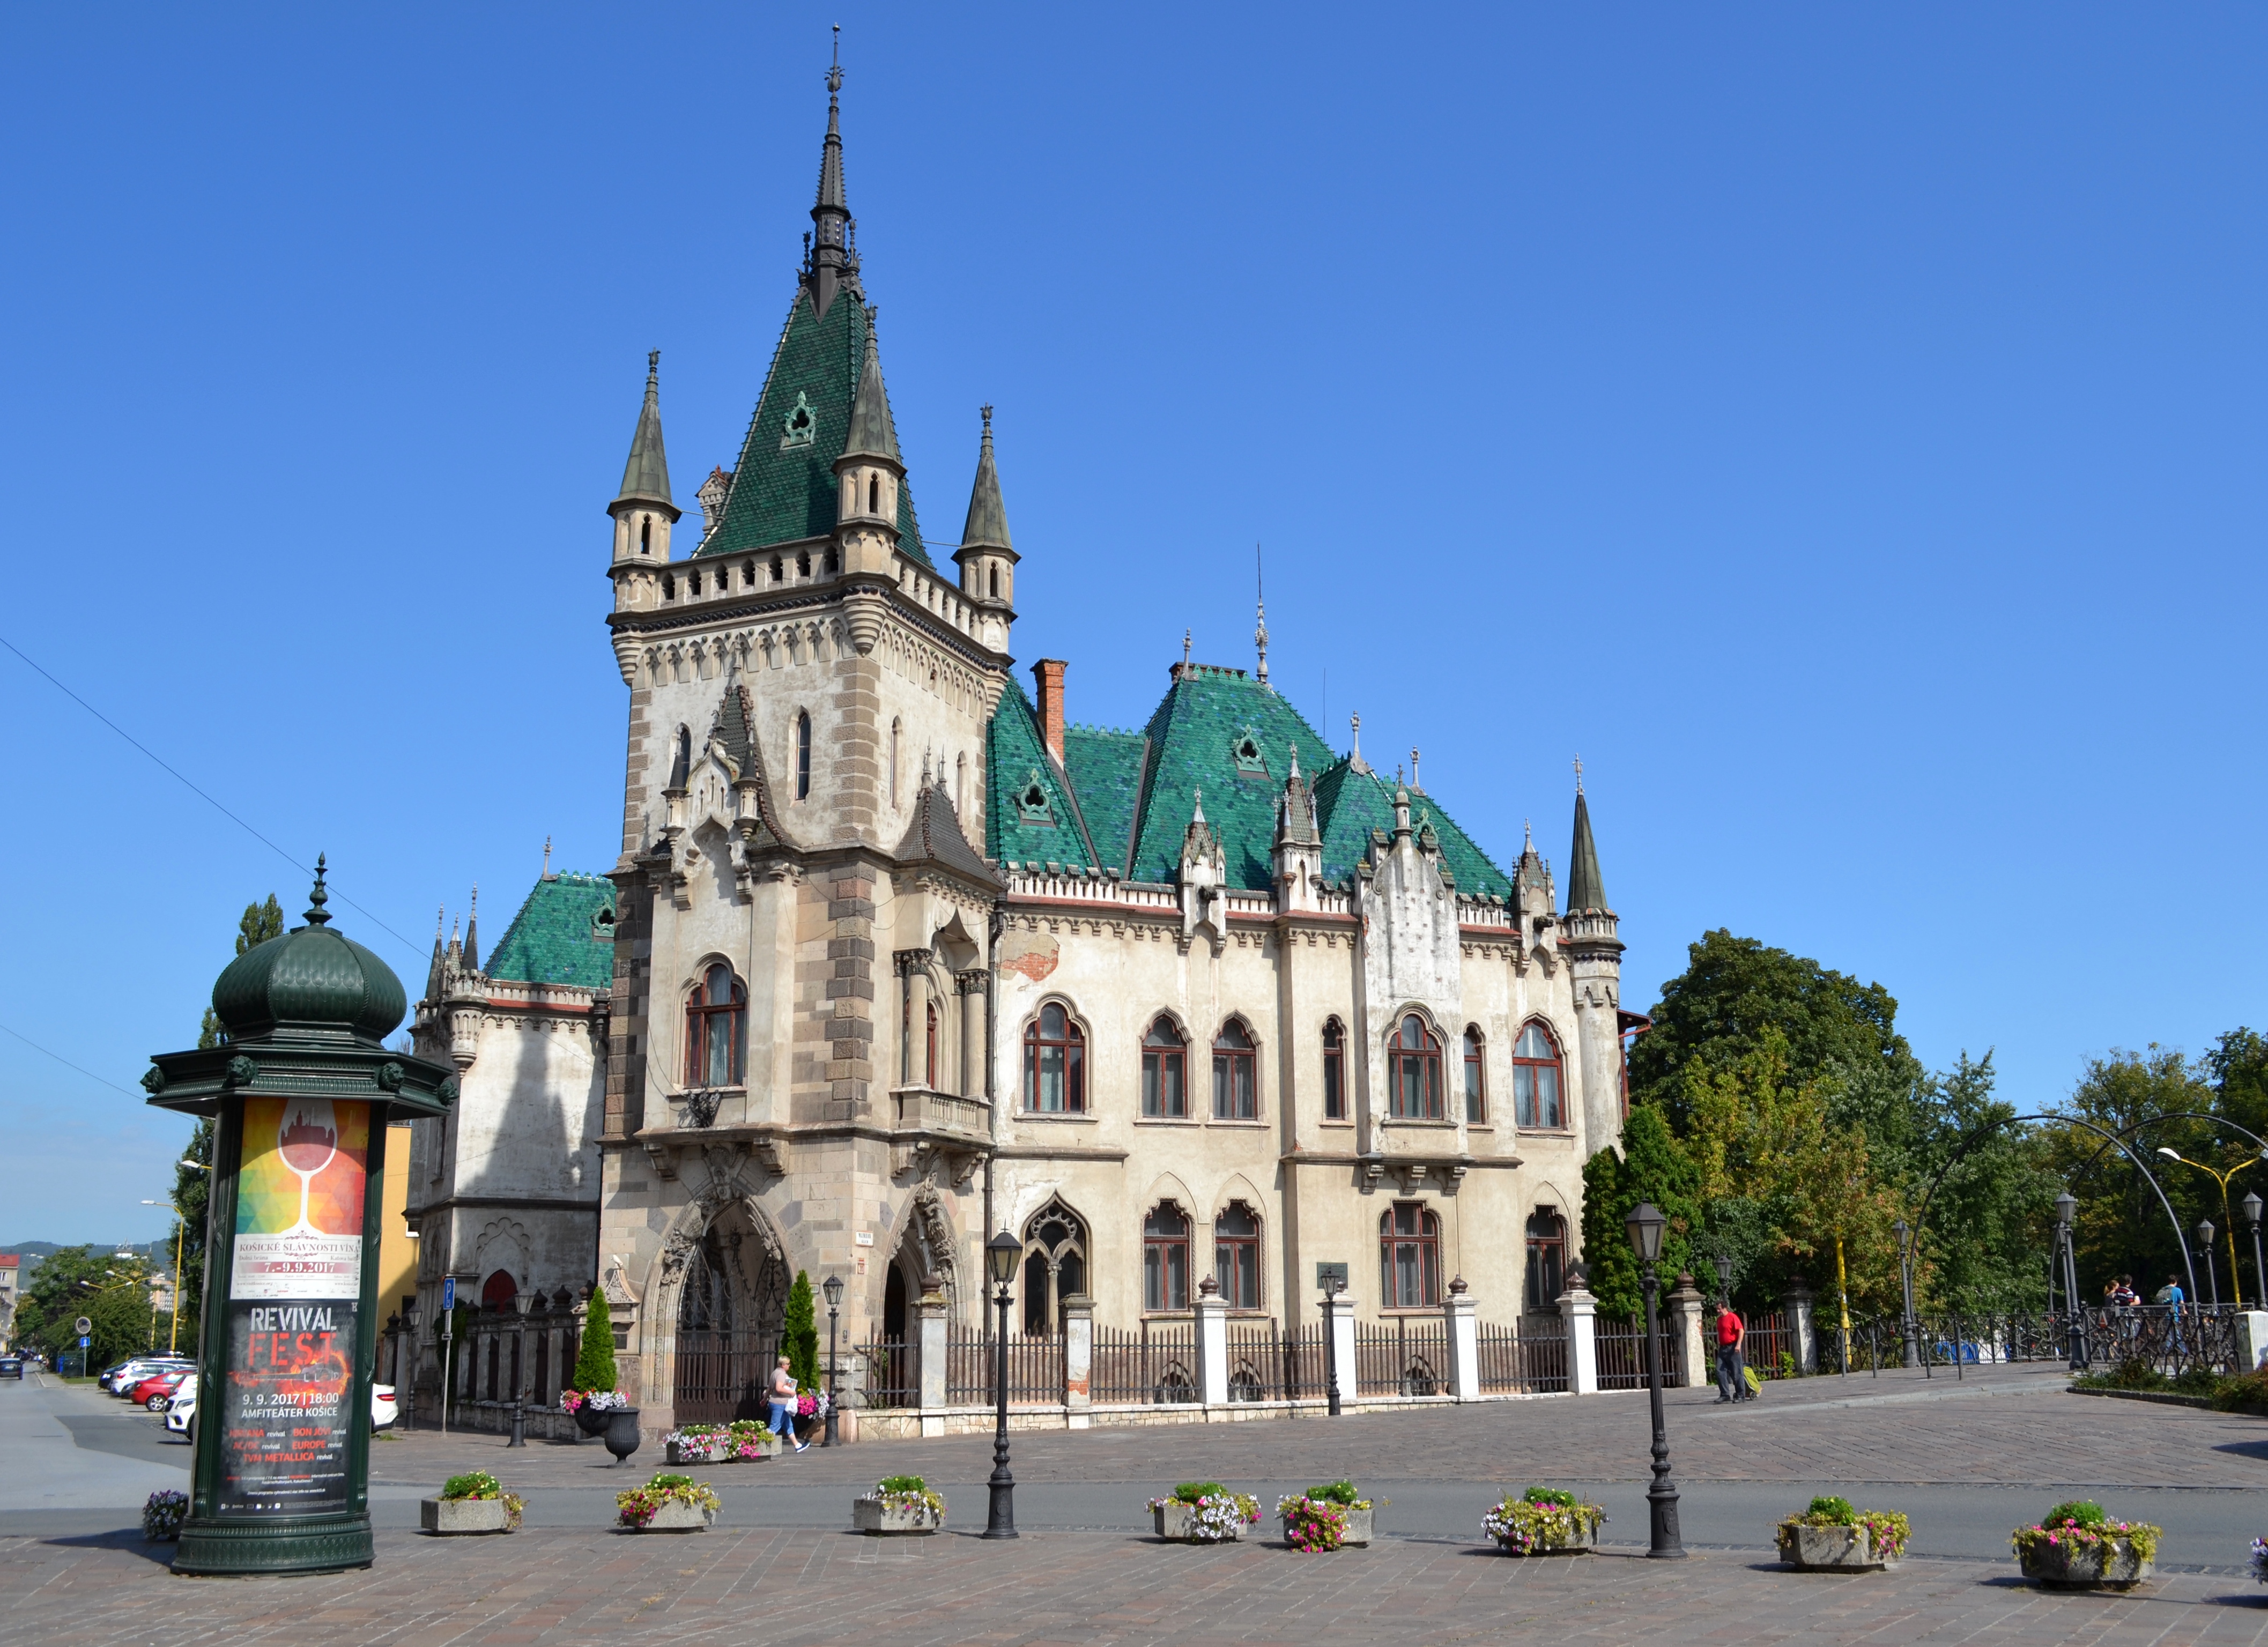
x: 310, y: 980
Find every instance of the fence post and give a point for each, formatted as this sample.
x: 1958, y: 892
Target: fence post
x: 1462, y: 1326
x: 1078, y: 1358
x: 1338, y: 1321
x: 1685, y: 1307
x: 1579, y: 1309
x: 933, y: 1330
x: 1212, y: 1343
x: 1803, y: 1325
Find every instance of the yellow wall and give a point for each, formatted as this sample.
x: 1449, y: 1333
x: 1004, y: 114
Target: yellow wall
x: 397, y: 1253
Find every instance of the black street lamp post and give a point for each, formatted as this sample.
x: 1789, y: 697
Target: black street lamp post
x: 1001, y: 1253
x: 2205, y: 1245
x: 2066, y: 1206
x: 1724, y: 1279
x: 833, y: 1288
x: 2252, y: 1204
x: 1907, y: 1357
x: 1645, y: 1225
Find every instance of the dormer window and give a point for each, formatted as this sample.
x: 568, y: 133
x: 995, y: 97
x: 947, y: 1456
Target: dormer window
x: 802, y: 424
x: 1032, y: 804
x: 1245, y: 752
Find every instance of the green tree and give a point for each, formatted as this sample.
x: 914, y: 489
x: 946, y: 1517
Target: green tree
x: 2121, y: 1227
x: 112, y: 1293
x: 801, y: 1335
x: 1652, y: 1166
x: 192, y: 1186
x: 594, y: 1364
x: 1989, y: 1222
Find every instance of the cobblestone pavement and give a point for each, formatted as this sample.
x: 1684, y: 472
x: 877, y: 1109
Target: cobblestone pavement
x: 784, y: 1588
x: 2016, y: 1426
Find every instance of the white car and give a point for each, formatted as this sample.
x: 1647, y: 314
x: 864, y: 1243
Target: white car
x: 181, y: 1416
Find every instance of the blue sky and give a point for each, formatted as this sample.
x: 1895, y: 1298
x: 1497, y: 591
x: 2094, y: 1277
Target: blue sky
x: 1843, y: 430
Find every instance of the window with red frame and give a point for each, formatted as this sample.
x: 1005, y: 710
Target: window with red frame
x: 1475, y: 1078
x: 1236, y: 1256
x: 1335, y: 1102
x: 1236, y: 1096
x: 716, y: 1029
x: 1055, y: 1063
x: 1409, y: 1256
x: 1536, y: 1092
x: 1165, y: 1258
x: 1414, y: 1059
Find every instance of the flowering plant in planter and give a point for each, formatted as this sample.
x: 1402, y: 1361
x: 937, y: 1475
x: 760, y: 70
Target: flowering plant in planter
x: 597, y: 1401
x: 1542, y: 1518
x: 163, y: 1515
x: 638, y: 1505
x: 2081, y: 1527
x: 1215, y: 1513
x: 749, y: 1437
x: 909, y: 1492
x: 481, y: 1484
x: 1311, y: 1523
x: 1887, y: 1530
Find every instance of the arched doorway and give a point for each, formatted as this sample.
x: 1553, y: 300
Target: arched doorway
x: 893, y: 1304
x: 729, y: 1319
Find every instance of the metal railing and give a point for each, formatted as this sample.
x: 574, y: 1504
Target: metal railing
x: 1622, y: 1353
x: 1267, y: 1364
x: 893, y: 1377
x: 1153, y: 1362
x: 1771, y: 1337
x: 1035, y: 1368
x: 1529, y: 1358
x: 721, y: 1377
x: 1402, y: 1358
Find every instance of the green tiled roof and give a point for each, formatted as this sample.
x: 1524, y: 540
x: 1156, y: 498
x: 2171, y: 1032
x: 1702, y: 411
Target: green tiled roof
x: 1352, y: 804
x: 556, y: 938
x: 1193, y: 736
x: 1016, y: 758
x: 1105, y: 774
x: 782, y: 493
x: 1133, y: 792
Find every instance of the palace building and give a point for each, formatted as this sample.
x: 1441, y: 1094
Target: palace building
x: 896, y: 957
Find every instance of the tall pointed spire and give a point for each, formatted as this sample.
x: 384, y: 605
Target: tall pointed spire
x: 1585, y: 889
x: 1260, y: 596
x: 645, y: 477
x: 874, y: 434
x: 831, y: 267
x: 987, y: 527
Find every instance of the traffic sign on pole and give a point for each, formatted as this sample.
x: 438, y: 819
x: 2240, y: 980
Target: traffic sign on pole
x: 448, y: 1292
x: 82, y: 1327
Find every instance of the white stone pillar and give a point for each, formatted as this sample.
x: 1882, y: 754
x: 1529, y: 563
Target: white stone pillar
x: 1078, y: 1358
x: 1212, y: 1343
x: 932, y: 1310
x: 1338, y: 1319
x: 1579, y: 1310
x: 1460, y: 1315
x: 2251, y: 1338
x: 1803, y: 1325
x: 1686, y: 1306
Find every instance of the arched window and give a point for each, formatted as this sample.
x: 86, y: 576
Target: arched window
x: 1165, y: 1258
x: 1476, y: 1079
x: 716, y: 1020
x: 803, y: 563
x: 1055, y: 1063
x: 995, y: 583
x: 1536, y: 1079
x: 1236, y: 1255
x: 1335, y: 1095
x: 873, y: 494
x: 668, y: 587
x: 1165, y: 1086
x: 499, y: 1290
x: 747, y: 574
x: 895, y: 768
x: 646, y: 535
x: 697, y: 582
x: 1409, y: 1256
x: 831, y: 563
x: 929, y: 1063
x: 779, y: 571
x: 1055, y: 1266
x: 1235, y: 1097
x: 803, y: 755
x: 1414, y: 1059
x: 1547, y: 1258
x: 960, y: 778
x: 680, y: 766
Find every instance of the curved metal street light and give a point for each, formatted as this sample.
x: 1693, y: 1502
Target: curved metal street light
x: 1002, y: 1253
x: 1645, y: 1226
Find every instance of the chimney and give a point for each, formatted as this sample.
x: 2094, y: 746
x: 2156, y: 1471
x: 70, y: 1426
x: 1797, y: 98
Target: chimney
x: 1049, y: 672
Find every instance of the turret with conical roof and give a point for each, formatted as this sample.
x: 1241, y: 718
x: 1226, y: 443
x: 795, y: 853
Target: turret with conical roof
x: 1587, y: 890
x: 834, y: 264
x: 868, y: 474
x: 988, y: 561
x: 643, y: 510
x: 1589, y: 939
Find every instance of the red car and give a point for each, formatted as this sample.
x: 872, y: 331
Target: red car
x: 156, y: 1392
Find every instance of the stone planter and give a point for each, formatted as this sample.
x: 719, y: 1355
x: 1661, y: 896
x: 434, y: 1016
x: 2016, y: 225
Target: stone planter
x: 679, y: 1517
x: 716, y: 1452
x: 883, y: 1520
x: 1831, y: 1549
x: 1359, y: 1528
x: 452, y: 1516
x: 1576, y: 1543
x: 1178, y: 1523
x: 592, y: 1421
x: 2109, y: 1565
x: 621, y: 1433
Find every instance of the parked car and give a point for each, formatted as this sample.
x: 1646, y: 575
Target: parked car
x: 102, y: 1379
x: 11, y: 1367
x: 383, y: 1412
x: 181, y: 1411
x: 122, y: 1379
x: 156, y: 1392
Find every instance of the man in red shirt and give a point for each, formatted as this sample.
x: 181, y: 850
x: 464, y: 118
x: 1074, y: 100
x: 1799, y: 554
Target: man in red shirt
x: 1731, y: 1333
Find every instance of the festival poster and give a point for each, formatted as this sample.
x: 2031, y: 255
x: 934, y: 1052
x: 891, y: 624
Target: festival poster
x: 295, y: 1281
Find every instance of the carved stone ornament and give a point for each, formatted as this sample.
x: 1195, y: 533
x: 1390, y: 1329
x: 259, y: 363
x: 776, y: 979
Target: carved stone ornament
x: 389, y: 1075
x: 242, y: 1069
x: 153, y: 1080
x: 447, y: 1091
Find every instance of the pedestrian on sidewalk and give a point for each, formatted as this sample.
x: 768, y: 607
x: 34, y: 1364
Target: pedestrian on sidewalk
x: 784, y: 1406
x: 1731, y: 1333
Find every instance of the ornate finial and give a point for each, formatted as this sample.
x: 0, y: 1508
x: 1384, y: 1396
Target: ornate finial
x: 1415, y: 782
x: 1398, y: 779
x: 1354, y: 723
x: 1295, y: 757
x: 440, y: 920
x: 925, y: 777
x: 316, y: 899
x: 1528, y: 836
x: 1186, y: 635
x: 1197, y: 807
x: 546, y: 857
x: 1260, y: 634
x: 986, y: 413
x: 1578, y: 774
x: 653, y: 369
x: 834, y: 71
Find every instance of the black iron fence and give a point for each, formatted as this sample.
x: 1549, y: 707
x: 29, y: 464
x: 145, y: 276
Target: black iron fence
x: 1529, y: 1358
x: 1153, y: 1362
x: 893, y: 1376
x: 1267, y: 1364
x: 1403, y: 1358
x: 1621, y: 1352
x: 1035, y: 1368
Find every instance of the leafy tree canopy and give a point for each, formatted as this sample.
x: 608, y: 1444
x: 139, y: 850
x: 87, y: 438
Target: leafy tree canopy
x: 112, y: 1293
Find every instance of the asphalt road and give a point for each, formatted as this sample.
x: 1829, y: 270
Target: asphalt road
x: 74, y: 1462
